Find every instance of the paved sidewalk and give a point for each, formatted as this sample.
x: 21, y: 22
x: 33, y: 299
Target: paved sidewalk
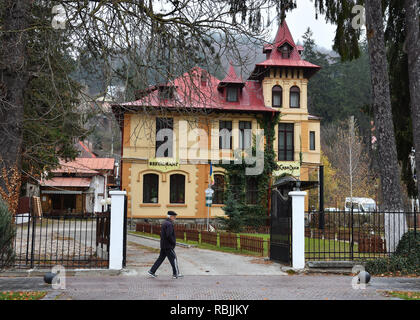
x: 134, y: 287
x: 209, y: 275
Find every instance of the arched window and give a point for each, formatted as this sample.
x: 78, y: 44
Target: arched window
x: 294, y: 97
x: 177, y: 188
x: 150, y: 188
x: 219, y: 189
x: 277, y: 95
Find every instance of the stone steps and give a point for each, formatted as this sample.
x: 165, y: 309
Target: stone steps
x: 334, y: 267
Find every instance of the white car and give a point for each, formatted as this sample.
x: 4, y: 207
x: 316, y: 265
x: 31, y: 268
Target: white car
x: 360, y: 205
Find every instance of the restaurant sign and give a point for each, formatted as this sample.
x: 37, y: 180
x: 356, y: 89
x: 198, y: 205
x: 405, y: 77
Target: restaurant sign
x: 287, y: 167
x: 163, y: 164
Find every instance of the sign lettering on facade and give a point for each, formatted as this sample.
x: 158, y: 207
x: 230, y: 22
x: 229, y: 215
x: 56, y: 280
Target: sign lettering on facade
x: 288, y: 167
x: 163, y: 164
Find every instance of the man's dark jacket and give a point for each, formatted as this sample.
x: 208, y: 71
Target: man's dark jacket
x: 167, y: 235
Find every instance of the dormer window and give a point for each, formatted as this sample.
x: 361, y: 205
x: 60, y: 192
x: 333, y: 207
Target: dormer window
x: 232, y: 94
x: 166, y: 92
x: 204, y: 79
x: 285, y: 51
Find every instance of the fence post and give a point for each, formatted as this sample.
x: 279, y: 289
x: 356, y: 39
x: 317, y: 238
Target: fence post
x: 298, y: 229
x: 116, y: 230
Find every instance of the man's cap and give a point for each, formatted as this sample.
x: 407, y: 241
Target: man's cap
x: 172, y: 213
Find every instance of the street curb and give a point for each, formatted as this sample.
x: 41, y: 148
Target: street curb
x: 180, y: 244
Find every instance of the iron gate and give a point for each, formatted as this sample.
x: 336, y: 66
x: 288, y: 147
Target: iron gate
x: 281, y: 227
x: 80, y: 241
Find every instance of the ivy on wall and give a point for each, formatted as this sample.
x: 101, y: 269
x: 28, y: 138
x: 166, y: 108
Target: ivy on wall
x: 238, y: 212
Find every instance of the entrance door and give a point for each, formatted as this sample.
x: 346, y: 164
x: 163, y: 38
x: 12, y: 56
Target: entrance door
x: 281, y: 227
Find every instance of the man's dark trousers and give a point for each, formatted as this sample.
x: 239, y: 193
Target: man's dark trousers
x: 167, y: 246
x: 170, y: 253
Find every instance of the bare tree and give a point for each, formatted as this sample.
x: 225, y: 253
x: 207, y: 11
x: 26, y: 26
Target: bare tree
x: 136, y: 43
x: 349, y: 156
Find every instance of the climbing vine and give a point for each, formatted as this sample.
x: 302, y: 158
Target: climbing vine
x: 240, y: 213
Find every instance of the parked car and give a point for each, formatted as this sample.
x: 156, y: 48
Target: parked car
x: 360, y: 205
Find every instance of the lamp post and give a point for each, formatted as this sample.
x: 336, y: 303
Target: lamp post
x: 106, y: 202
x: 209, y: 195
x: 103, y: 202
x: 412, y: 158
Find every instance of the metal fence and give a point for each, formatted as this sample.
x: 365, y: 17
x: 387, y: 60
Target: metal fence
x: 347, y: 235
x: 220, y: 239
x: 71, y: 241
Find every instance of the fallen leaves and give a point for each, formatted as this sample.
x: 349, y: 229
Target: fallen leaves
x: 22, y: 295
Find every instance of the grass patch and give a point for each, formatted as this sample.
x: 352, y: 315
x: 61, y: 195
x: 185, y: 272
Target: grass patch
x: 406, y: 295
x: 22, y: 295
x: 325, y: 249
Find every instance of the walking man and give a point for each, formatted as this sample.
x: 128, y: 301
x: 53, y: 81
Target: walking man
x: 167, y: 246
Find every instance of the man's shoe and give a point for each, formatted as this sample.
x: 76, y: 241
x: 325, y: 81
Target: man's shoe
x: 177, y: 276
x: 151, y: 274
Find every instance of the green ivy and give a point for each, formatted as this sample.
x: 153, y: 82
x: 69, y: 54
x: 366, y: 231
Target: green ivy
x: 238, y: 212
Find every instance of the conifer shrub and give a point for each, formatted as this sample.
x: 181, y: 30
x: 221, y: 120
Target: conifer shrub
x: 405, y: 260
x: 7, y: 234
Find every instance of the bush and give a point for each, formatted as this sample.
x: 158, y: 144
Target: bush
x: 7, y: 234
x: 406, y: 258
x: 409, y: 244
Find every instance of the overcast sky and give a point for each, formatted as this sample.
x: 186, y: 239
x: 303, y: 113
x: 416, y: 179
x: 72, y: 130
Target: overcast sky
x: 303, y: 17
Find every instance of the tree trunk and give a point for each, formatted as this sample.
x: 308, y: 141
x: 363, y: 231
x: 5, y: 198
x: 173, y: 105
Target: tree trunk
x: 413, y: 53
x: 387, y: 152
x: 13, y: 81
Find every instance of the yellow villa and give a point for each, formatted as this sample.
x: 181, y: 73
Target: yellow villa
x: 172, y: 133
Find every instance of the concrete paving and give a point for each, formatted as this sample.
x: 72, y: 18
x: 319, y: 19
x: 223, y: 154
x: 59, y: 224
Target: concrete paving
x: 195, y: 261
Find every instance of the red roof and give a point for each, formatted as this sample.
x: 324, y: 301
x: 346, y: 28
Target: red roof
x: 86, y: 150
x: 231, y: 77
x: 283, y: 35
x: 274, y: 57
x: 66, y: 182
x: 85, y: 165
x: 191, y: 92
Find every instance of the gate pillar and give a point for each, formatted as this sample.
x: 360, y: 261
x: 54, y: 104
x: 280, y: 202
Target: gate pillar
x: 298, y: 229
x: 116, y: 230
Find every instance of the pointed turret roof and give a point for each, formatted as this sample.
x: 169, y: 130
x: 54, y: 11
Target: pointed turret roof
x: 283, y: 35
x: 274, y: 56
